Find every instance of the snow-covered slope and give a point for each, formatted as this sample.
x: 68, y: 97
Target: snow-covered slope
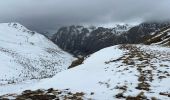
x: 132, y: 72
x: 28, y: 55
x: 119, y: 72
x: 161, y: 37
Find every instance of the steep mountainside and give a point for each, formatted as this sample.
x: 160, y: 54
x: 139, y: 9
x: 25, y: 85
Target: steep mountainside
x: 161, y: 37
x: 28, y: 55
x: 79, y: 40
x: 122, y: 72
x: 139, y: 33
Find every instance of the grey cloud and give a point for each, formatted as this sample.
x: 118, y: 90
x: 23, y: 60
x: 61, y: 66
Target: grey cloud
x: 43, y: 15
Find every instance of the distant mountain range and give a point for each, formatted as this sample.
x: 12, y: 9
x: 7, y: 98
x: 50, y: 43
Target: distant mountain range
x: 80, y: 40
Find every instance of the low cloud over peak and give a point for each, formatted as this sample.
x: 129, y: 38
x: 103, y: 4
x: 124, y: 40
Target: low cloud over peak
x: 43, y: 15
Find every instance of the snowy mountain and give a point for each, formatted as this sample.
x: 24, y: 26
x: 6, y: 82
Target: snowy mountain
x: 26, y: 55
x: 131, y: 72
x: 30, y: 63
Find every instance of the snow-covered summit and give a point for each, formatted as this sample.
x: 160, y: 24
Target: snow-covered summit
x: 16, y: 26
x: 28, y: 55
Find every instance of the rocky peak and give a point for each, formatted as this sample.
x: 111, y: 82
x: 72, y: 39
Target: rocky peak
x: 19, y: 27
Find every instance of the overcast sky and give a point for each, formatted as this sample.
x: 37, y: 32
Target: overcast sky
x: 44, y: 15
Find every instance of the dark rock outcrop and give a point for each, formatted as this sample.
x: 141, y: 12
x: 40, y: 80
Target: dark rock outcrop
x: 50, y: 94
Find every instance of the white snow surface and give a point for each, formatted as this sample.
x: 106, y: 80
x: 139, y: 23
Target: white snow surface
x: 103, y: 74
x: 90, y: 76
x: 26, y: 55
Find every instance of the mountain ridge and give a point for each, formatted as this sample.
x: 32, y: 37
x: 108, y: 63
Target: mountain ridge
x: 80, y: 40
x: 28, y: 55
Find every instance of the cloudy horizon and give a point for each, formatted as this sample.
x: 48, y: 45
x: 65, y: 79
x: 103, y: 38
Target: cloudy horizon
x: 45, y: 15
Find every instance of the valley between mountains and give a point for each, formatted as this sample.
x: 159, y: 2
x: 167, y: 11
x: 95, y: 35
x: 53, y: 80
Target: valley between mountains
x: 34, y: 68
